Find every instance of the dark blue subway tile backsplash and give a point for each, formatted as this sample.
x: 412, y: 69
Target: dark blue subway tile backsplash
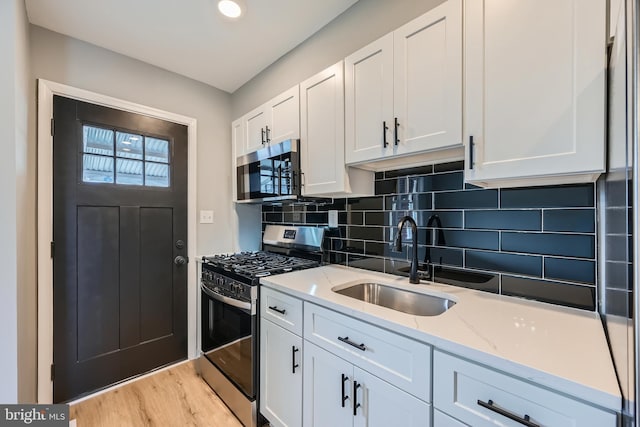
x: 573, y: 245
x: 560, y: 196
x: 555, y: 293
x: 504, y: 262
x: 575, y: 220
x: 478, y: 199
x: 525, y: 220
x: 576, y: 270
x: 536, y: 242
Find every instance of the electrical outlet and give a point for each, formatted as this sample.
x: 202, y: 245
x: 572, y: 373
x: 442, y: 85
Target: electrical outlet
x: 206, y: 217
x: 333, y: 219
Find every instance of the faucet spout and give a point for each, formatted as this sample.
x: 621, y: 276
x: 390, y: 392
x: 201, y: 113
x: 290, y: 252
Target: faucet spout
x: 413, y: 273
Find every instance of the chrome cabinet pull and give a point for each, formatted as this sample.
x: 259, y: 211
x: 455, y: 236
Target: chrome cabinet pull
x: 526, y: 420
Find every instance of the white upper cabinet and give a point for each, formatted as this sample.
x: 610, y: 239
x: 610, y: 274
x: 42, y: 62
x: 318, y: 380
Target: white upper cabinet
x: 322, y: 138
x: 534, y: 91
x: 403, y: 92
x: 427, y: 95
x: 369, y: 101
x: 237, y: 149
x: 255, y: 124
x: 283, y: 113
x: 273, y: 122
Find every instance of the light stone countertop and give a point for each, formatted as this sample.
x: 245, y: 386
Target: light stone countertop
x: 561, y: 348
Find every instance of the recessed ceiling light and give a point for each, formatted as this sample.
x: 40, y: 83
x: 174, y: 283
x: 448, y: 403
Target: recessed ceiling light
x: 126, y: 142
x: 230, y: 8
x: 126, y: 149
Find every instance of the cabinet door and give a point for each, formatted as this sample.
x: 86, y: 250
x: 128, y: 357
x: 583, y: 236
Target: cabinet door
x: 383, y: 405
x: 255, y: 128
x: 369, y: 101
x: 284, y: 116
x: 238, y: 135
x: 534, y: 89
x: 428, y: 80
x: 322, y: 124
x: 237, y: 149
x: 324, y: 389
x: 280, y: 375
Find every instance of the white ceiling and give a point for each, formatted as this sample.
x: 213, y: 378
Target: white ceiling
x: 190, y: 37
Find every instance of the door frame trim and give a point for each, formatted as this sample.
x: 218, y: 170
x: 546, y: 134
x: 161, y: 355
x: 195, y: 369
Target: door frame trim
x: 46, y: 90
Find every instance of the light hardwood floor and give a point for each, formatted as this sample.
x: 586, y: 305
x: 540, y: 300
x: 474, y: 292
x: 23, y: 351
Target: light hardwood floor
x: 173, y: 397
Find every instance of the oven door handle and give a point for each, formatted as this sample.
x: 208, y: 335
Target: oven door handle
x: 243, y: 305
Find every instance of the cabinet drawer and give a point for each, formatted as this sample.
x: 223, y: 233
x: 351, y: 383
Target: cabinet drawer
x: 444, y: 420
x: 479, y: 396
x: 398, y: 360
x: 281, y: 309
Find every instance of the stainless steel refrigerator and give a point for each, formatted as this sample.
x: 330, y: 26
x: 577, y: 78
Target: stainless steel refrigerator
x: 618, y: 206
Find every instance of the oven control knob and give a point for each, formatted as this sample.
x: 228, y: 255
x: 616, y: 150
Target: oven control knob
x: 237, y: 288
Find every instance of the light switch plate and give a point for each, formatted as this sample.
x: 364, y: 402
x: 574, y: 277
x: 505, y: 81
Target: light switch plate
x: 333, y: 219
x: 206, y: 217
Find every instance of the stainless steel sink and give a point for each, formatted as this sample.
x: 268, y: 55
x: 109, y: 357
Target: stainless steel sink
x: 397, y: 299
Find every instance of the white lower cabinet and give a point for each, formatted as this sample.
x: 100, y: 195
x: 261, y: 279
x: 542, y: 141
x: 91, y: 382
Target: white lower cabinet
x: 355, y: 374
x: 280, y: 375
x: 444, y: 420
x: 398, y: 360
x: 337, y: 393
x: 327, y: 389
x: 482, y: 397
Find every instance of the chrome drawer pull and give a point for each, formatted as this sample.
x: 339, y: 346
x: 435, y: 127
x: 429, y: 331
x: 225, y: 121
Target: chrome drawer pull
x: 524, y: 421
x: 275, y: 308
x: 351, y: 343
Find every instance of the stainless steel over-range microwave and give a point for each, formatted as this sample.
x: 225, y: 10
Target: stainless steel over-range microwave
x: 270, y: 174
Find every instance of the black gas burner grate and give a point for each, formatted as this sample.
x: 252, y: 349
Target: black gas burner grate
x: 259, y: 264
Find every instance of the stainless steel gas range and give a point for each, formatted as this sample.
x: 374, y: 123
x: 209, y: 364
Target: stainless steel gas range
x: 229, y: 311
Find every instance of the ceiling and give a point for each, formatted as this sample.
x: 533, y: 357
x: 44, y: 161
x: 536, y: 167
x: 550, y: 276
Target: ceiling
x: 190, y: 37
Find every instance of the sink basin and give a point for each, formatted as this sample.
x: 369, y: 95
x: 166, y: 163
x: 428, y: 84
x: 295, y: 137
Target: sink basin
x: 397, y: 299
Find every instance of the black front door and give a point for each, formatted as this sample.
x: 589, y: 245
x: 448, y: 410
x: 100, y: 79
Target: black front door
x: 120, y: 243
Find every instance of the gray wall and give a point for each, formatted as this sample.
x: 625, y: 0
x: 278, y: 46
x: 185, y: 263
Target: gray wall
x: 72, y: 62
x: 65, y: 60
x: 364, y: 22
x: 17, y: 291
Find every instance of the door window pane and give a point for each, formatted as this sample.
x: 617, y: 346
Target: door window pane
x: 128, y: 145
x: 97, y: 140
x: 156, y: 150
x: 97, y: 168
x: 110, y: 156
x: 156, y: 174
x: 129, y: 172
